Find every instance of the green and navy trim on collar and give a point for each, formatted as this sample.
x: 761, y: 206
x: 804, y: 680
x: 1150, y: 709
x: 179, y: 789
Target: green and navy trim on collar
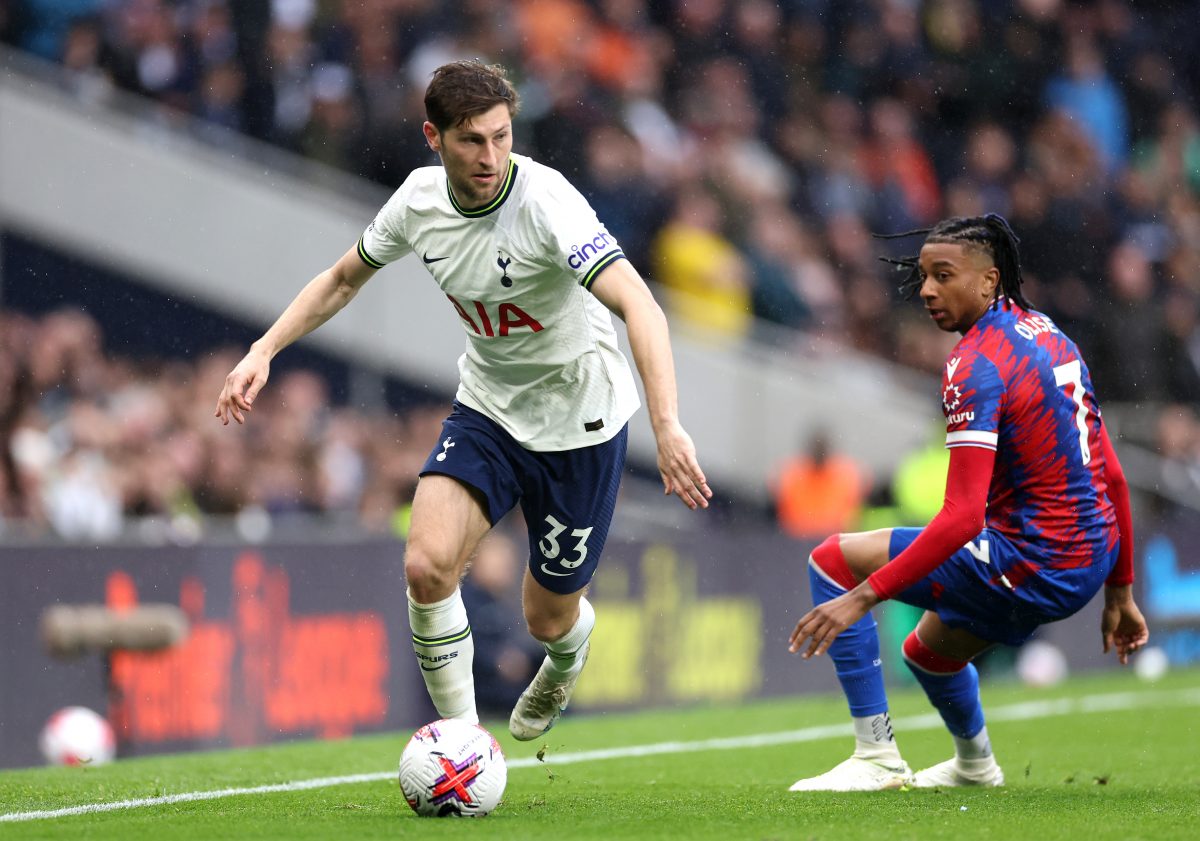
x: 505, y: 189
x: 604, y: 262
x: 367, y: 258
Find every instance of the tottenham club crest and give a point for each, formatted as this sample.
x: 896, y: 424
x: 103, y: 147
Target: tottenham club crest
x: 503, y: 262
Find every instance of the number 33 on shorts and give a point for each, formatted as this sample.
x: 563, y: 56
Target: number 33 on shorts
x: 569, y: 559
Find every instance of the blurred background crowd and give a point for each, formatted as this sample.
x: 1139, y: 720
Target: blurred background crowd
x: 743, y: 153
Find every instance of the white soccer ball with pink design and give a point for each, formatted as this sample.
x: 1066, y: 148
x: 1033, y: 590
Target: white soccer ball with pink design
x: 452, y: 769
x: 77, y: 736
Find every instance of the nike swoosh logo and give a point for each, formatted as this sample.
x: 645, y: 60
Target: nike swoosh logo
x: 559, y: 574
x: 425, y: 668
x: 429, y: 259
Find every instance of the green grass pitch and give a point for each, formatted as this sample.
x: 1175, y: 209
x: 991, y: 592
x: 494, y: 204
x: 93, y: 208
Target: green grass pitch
x: 1099, y: 757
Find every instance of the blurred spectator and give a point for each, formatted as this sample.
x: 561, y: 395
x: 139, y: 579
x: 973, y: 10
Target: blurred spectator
x: 707, y: 282
x: 1178, y: 440
x: 1086, y: 92
x: 817, y: 491
x: 919, y: 483
x: 775, y: 252
x: 1132, y: 357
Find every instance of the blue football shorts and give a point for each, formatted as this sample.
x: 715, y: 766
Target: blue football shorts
x: 989, y: 588
x: 567, y: 497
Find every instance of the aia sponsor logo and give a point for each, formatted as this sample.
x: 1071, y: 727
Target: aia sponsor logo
x: 507, y: 318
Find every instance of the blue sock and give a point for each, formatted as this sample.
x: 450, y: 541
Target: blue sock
x: 955, y: 696
x: 855, y: 655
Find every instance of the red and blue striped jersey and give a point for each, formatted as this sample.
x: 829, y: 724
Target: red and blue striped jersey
x: 1016, y: 384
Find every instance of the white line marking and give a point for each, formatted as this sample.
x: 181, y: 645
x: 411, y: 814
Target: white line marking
x: 1012, y: 712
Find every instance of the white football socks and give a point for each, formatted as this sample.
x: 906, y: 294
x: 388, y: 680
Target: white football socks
x: 976, y: 747
x: 563, y: 653
x: 873, y: 738
x: 444, y: 648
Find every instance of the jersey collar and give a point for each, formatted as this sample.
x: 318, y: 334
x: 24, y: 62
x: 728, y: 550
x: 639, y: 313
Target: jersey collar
x: 501, y: 196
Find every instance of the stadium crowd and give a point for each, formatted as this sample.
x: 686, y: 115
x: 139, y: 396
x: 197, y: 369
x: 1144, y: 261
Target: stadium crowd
x: 742, y: 152
x: 94, y: 441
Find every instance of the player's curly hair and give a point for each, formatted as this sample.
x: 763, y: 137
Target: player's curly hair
x: 462, y: 90
x: 991, y: 233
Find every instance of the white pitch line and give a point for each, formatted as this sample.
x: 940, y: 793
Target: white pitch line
x: 1024, y: 711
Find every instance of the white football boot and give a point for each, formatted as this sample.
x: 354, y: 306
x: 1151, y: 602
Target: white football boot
x: 960, y: 772
x: 857, y: 774
x: 544, y: 700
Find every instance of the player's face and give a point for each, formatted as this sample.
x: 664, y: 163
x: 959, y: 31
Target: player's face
x: 475, y: 154
x: 958, y: 284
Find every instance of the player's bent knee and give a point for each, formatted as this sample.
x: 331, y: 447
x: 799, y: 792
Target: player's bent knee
x: 545, y: 629
x: 831, y: 563
x: 920, y: 656
x: 427, y: 581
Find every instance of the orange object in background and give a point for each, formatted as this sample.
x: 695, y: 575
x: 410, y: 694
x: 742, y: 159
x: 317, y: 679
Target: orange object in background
x: 819, y: 493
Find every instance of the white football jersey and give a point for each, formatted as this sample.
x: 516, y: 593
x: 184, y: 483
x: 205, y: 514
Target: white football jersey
x: 542, y: 358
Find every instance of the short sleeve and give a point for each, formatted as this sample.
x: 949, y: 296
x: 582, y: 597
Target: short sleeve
x: 972, y: 399
x: 383, y: 241
x: 570, y: 235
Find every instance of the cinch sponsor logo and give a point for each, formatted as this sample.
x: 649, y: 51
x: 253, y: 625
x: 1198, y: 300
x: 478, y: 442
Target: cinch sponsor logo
x: 1035, y: 325
x: 960, y: 417
x: 582, y: 255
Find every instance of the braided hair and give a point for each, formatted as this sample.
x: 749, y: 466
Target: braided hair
x: 990, y: 233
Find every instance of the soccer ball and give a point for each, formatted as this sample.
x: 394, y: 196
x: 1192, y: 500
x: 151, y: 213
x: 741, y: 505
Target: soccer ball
x: 1041, y: 664
x: 452, y: 768
x: 77, y: 736
x: 1151, y: 663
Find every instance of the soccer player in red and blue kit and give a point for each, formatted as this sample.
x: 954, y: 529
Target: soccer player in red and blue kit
x: 1035, y: 521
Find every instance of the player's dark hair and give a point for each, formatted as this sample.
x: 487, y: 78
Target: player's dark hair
x: 462, y: 90
x: 991, y: 233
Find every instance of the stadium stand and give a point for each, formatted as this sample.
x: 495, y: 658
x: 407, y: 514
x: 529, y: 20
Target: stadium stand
x: 790, y: 130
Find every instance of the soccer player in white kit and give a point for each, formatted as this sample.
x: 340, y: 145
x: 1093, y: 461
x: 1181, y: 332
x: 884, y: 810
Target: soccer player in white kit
x: 544, y: 395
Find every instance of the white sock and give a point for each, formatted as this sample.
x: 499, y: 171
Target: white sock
x: 444, y: 648
x: 562, y: 655
x: 976, y: 747
x: 873, y: 738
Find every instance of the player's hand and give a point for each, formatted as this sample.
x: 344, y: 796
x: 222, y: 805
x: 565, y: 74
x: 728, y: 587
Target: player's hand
x: 822, y: 625
x: 242, y: 385
x: 1122, y: 625
x: 681, y: 473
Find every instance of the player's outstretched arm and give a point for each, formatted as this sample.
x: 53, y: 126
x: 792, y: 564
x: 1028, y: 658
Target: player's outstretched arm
x: 960, y: 519
x: 620, y: 288
x: 1122, y: 625
x: 316, y: 303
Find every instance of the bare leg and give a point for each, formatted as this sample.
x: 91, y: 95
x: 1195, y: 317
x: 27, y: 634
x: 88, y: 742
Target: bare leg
x: 563, y: 624
x: 548, y: 615
x: 448, y: 523
x: 865, y: 551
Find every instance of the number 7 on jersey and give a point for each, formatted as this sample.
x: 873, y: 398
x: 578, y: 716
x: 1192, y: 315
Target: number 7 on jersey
x: 1072, y: 374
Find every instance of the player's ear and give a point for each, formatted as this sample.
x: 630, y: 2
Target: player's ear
x: 432, y: 136
x: 991, y: 280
